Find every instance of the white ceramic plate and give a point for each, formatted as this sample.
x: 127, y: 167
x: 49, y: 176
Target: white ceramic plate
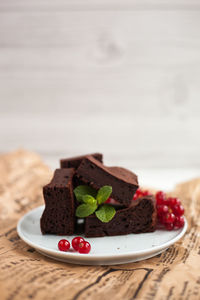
x: 105, y: 250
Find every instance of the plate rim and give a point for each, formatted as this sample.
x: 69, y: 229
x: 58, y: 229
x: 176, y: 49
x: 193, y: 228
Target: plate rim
x: 93, y: 256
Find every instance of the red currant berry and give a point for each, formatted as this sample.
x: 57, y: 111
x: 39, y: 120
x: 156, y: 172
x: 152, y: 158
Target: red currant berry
x: 179, y: 222
x: 137, y: 194
x: 162, y: 218
x: 173, y: 201
x: 169, y: 218
x: 178, y: 201
x: 108, y: 200
x: 145, y: 193
x: 63, y: 245
x: 160, y: 197
x: 159, y: 218
x: 169, y: 226
x: 76, y: 241
x: 111, y: 201
x: 84, y: 247
x: 162, y: 209
x: 178, y: 210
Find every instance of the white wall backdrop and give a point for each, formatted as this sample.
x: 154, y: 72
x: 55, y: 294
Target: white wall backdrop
x: 122, y: 77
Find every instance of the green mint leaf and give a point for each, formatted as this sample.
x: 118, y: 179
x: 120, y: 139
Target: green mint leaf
x: 83, y: 190
x: 105, y: 213
x: 85, y: 210
x: 103, y: 194
x: 89, y: 199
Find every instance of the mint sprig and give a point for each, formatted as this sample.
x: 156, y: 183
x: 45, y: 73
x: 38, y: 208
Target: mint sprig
x: 103, y: 194
x: 89, y: 200
x: 85, y: 210
x: 105, y: 213
x: 92, y: 201
x: 83, y: 190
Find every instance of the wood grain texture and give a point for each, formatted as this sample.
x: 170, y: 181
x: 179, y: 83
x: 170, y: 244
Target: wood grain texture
x: 26, y: 274
x: 99, y: 5
x: 127, y: 73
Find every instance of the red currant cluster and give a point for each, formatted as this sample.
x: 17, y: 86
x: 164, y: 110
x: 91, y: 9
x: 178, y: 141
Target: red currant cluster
x: 78, y: 243
x: 170, y: 211
x: 139, y: 193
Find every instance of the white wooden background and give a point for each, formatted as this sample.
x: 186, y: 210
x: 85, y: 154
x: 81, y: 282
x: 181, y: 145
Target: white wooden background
x: 117, y: 76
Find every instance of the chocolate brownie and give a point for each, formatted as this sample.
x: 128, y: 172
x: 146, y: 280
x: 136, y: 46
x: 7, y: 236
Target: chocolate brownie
x: 140, y: 217
x: 124, y: 183
x: 74, y: 162
x: 59, y: 214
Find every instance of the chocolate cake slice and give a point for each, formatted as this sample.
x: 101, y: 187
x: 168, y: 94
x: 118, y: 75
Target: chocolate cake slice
x: 74, y: 162
x: 140, y: 217
x: 124, y: 183
x: 59, y: 214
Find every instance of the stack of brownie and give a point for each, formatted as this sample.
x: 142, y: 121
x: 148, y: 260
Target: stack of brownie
x: 132, y: 216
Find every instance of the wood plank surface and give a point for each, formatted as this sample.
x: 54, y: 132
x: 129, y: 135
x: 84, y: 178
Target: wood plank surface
x: 99, y: 4
x: 122, y: 77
